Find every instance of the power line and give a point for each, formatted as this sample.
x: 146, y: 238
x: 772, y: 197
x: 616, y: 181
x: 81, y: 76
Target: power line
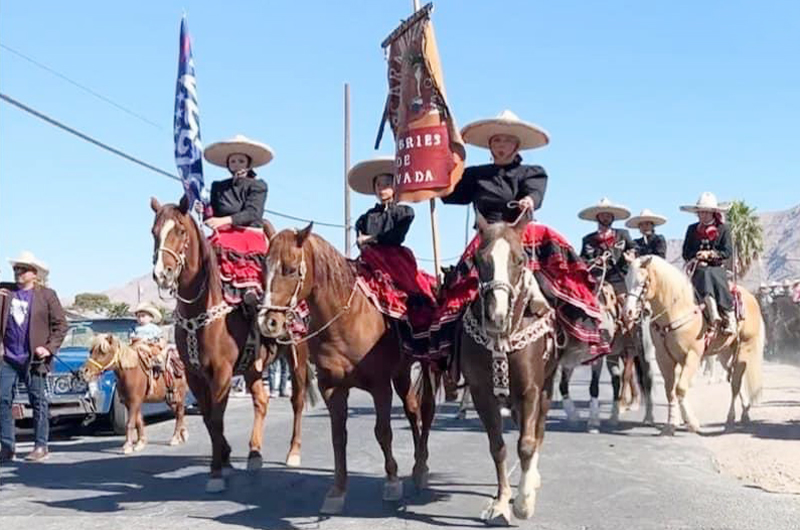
x: 80, y: 86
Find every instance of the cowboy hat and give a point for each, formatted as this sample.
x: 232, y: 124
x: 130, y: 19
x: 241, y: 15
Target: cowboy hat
x: 26, y: 257
x: 362, y: 176
x: 706, y: 203
x: 150, y: 309
x: 604, y: 206
x: 644, y: 217
x: 480, y: 132
x: 218, y: 153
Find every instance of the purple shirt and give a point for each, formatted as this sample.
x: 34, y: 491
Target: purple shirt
x: 17, y: 347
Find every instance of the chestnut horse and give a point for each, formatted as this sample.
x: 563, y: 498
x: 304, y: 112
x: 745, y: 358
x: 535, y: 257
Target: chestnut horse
x: 503, y: 350
x: 134, y: 376
x: 353, y: 346
x: 680, y: 335
x: 210, y: 334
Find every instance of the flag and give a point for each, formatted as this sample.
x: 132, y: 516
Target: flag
x: 188, y: 146
x: 429, y: 151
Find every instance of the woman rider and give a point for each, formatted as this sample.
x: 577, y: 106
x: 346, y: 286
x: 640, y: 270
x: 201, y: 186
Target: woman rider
x: 501, y: 192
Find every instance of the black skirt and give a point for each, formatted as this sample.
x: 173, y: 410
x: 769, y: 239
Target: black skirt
x: 714, y: 282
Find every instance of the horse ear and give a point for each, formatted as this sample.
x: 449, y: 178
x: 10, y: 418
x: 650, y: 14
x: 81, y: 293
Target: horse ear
x: 481, y: 222
x: 183, y: 206
x: 154, y: 204
x: 303, y: 234
x: 645, y: 261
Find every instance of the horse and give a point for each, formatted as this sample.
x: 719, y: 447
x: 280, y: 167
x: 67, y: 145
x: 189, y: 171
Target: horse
x: 353, y: 345
x: 136, y: 385
x: 682, y: 338
x: 210, y: 336
x: 502, y: 350
x: 626, y: 355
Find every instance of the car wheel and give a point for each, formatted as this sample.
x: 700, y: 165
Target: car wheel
x: 119, y: 415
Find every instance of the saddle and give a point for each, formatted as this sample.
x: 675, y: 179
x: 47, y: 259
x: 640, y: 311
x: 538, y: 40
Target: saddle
x: 159, y: 362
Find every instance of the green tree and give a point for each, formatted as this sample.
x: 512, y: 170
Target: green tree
x: 747, y: 234
x: 118, y: 310
x: 92, y: 302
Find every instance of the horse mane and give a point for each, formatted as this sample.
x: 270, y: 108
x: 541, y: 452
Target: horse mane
x: 331, y: 267
x: 672, y: 281
x: 128, y: 356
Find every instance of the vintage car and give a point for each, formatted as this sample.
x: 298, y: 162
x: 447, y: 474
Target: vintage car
x: 70, y: 396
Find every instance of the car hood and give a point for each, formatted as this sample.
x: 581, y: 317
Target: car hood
x: 69, y: 359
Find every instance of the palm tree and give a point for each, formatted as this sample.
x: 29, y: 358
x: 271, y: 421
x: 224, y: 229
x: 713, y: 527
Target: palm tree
x: 747, y: 234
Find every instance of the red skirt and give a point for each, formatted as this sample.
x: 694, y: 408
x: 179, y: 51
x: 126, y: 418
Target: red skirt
x: 241, y: 253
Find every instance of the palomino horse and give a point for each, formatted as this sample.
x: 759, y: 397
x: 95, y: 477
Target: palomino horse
x: 680, y: 336
x: 353, y: 346
x: 626, y: 353
x: 504, y: 350
x: 210, y: 334
x: 134, y: 379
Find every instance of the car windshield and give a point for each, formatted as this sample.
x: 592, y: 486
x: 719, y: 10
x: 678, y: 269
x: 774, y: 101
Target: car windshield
x: 80, y: 334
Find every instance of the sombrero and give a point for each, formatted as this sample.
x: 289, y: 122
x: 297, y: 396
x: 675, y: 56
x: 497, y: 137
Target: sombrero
x: 706, y: 203
x: 644, y: 217
x: 218, y: 153
x: 530, y: 136
x: 362, y: 175
x: 26, y: 257
x: 604, y: 206
x: 146, y: 307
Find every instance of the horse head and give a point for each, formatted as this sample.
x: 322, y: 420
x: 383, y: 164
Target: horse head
x: 103, y: 355
x: 289, y: 279
x: 500, y: 261
x: 638, y: 283
x: 174, y: 235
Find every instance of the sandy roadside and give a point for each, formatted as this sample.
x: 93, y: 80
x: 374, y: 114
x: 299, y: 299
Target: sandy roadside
x: 766, y: 453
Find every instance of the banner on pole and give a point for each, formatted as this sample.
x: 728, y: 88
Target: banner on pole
x: 429, y: 151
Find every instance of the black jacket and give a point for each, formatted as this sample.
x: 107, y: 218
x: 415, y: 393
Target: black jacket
x: 722, y: 245
x: 388, y: 224
x: 491, y: 187
x: 242, y: 198
x: 653, y: 245
x: 592, y: 247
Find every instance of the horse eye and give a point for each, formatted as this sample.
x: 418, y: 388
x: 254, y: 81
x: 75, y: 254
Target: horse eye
x: 289, y: 271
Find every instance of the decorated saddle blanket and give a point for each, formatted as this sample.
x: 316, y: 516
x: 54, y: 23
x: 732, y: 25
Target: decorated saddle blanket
x: 241, y: 254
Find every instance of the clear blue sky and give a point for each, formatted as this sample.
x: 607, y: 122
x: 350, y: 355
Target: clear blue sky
x: 649, y: 103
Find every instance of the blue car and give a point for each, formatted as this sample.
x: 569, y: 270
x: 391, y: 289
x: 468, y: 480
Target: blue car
x: 70, y: 396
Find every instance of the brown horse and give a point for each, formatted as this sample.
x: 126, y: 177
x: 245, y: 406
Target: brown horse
x: 353, y: 346
x: 505, y: 351
x: 210, y: 335
x: 134, y: 379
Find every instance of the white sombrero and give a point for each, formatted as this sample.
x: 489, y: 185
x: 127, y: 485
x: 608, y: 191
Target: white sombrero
x: 26, y: 257
x: 480, y: 132
x: 706, y: 203
x: 644, y: 217
x: 604, y: 206
x: 146, y: 307
x: 362, y: 175
x: 218, y: 153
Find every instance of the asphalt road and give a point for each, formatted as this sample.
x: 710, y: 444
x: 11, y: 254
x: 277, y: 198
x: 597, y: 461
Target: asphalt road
x: 629, y: 478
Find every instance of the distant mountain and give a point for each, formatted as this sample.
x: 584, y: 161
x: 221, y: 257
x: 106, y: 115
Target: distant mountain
x: 141, y: 289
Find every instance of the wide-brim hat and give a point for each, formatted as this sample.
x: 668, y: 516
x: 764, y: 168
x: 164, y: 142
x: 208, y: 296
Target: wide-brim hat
x: 706, y: 203
x: 362, y: 175
x: 218, y: 153
x: 530, y: 136
x: 26, y: 257
x: 619, y: 212
x: 150, y: 309
x: 644, y: 217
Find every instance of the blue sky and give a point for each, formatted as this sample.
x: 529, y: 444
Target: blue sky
x: 649, y: 103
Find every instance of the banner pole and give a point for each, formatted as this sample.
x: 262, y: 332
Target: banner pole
x: 347, y: 234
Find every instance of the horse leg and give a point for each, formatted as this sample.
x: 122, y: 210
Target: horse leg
x: 255, y: 383
x: 336, y: 401
x: 299, y: 371
x: 220, y: 450
x: 737, y: 373
x: 411, y: 406
x: 690, y: 365
x: 567, y: 403
x: 179, y: 409
x: 463, y: 407
x: 645, y: 376
x: 141, y: 443
x: 488, y: 410
x: 130, y: 426
x: 428, y: 409
x: 528, y: 451
x: 668, y: 367
x: 614, y: 363
x: 594, y: 393
x: 382, y: 397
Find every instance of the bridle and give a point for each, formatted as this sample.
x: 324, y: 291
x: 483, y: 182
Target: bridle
x: 103, y: 367
x: 295, y: 299
x: 180, y: 259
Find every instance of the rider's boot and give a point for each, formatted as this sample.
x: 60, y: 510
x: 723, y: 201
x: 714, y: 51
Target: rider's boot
x: 712, y: 311
x: 730, y: 323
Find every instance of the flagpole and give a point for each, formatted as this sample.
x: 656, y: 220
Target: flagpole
x: 347, y: 235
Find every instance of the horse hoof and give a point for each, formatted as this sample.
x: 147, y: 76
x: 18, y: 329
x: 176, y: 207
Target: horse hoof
x: 461, y: 415
x: 499, y: 514
x: 745, y: 418
x: 648, y: 419
x: 175, y: 440
x: 254, y: 462
x: 332, y: 505
x: 668, y: 430
x: 227, y: 470
x: 140, y: 445
x: 293, y: 460
x: 524, y: 506
x: 184, y: 436
x: 421, y: 480
x: 693, y: 428
x: 393, y: 490
x: 215, y: 485
x: 127, y: 449
x: 593, y: 426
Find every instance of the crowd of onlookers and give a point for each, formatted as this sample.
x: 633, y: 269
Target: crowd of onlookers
x: 780, y: 307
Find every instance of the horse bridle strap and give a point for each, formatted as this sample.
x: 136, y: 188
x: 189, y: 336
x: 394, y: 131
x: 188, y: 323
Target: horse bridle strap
x: 295, y: 299
x: 102, y: 368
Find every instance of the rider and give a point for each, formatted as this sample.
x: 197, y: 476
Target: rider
x: 385, y: 263
x: 650, y: 244
x: 605, y: 249
x: 235, y: 214
x: 503, y: 191
x: 708, y: 245
x: 148, y: 331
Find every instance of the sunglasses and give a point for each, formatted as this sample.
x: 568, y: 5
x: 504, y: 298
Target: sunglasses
x: 23, y: 268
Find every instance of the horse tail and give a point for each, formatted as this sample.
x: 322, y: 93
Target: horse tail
x: 312, y: 393
x: 753, y: 371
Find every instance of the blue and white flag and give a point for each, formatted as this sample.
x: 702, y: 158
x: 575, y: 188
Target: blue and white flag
x: 188, y: 146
